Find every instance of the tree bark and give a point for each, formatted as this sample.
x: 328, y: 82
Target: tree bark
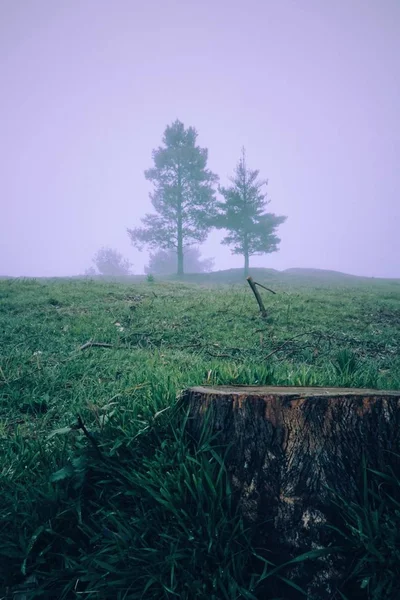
x: 246, y: 264
x: 180, y: 244
x: 180, y: 260
x: 180, y: 226
x: 292, y: 448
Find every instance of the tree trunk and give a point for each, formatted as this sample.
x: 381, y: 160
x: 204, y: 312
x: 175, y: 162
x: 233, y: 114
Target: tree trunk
x: 180, y: 260
x: 180, y: 246
x: 180, y: 225
x: 291, y: 446
x: 246, y: 264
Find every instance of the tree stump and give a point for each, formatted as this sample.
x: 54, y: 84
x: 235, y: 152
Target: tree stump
x: 291, y: 448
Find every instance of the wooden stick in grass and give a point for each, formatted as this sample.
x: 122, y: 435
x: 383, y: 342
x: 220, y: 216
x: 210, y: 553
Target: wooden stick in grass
x: 255, y: 291
x: 265, y: 288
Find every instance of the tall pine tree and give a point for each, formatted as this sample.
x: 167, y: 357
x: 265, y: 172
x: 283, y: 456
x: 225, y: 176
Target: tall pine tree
x: 183, y: 196
x: 251, y: 230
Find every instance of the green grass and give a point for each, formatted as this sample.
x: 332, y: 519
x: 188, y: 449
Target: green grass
x: 137, y: 510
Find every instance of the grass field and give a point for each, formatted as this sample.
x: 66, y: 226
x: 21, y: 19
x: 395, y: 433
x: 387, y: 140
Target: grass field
x: 121, y: 504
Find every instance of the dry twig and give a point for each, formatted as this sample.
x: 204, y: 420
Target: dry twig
x: 265, y: 288
x: 91, y: 344
x: 287, y: 342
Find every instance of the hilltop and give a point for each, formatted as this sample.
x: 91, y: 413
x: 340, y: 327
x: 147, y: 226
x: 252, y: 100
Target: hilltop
x: 305, y: 276
x: 289, y: 276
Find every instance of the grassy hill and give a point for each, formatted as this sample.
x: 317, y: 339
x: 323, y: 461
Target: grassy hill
x: 310, y: 277
x: 321, y: 273
x: 128, y: 507
x: 231, y: 276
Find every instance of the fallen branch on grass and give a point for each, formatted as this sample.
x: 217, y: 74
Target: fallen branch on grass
x: 288, y: 342
x: 223, y: 355
x: 15, y: 422
x: 91, y: 344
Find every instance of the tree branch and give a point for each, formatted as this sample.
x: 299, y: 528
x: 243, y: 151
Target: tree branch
x: 265, y: 288
x: 91, y: 344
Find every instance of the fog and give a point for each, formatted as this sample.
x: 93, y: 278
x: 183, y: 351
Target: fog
x: 310, y: 88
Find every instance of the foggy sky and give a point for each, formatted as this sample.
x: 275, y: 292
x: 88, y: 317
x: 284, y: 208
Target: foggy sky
x: 311, y: 88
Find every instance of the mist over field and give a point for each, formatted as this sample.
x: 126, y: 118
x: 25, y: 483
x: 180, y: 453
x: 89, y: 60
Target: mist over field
x: 310, y: 89
x: 200, y: 299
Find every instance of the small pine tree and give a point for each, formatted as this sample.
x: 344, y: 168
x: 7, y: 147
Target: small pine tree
x: 251, y: 230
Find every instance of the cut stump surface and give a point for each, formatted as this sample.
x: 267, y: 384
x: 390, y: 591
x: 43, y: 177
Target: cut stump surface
x: 290, y: 448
